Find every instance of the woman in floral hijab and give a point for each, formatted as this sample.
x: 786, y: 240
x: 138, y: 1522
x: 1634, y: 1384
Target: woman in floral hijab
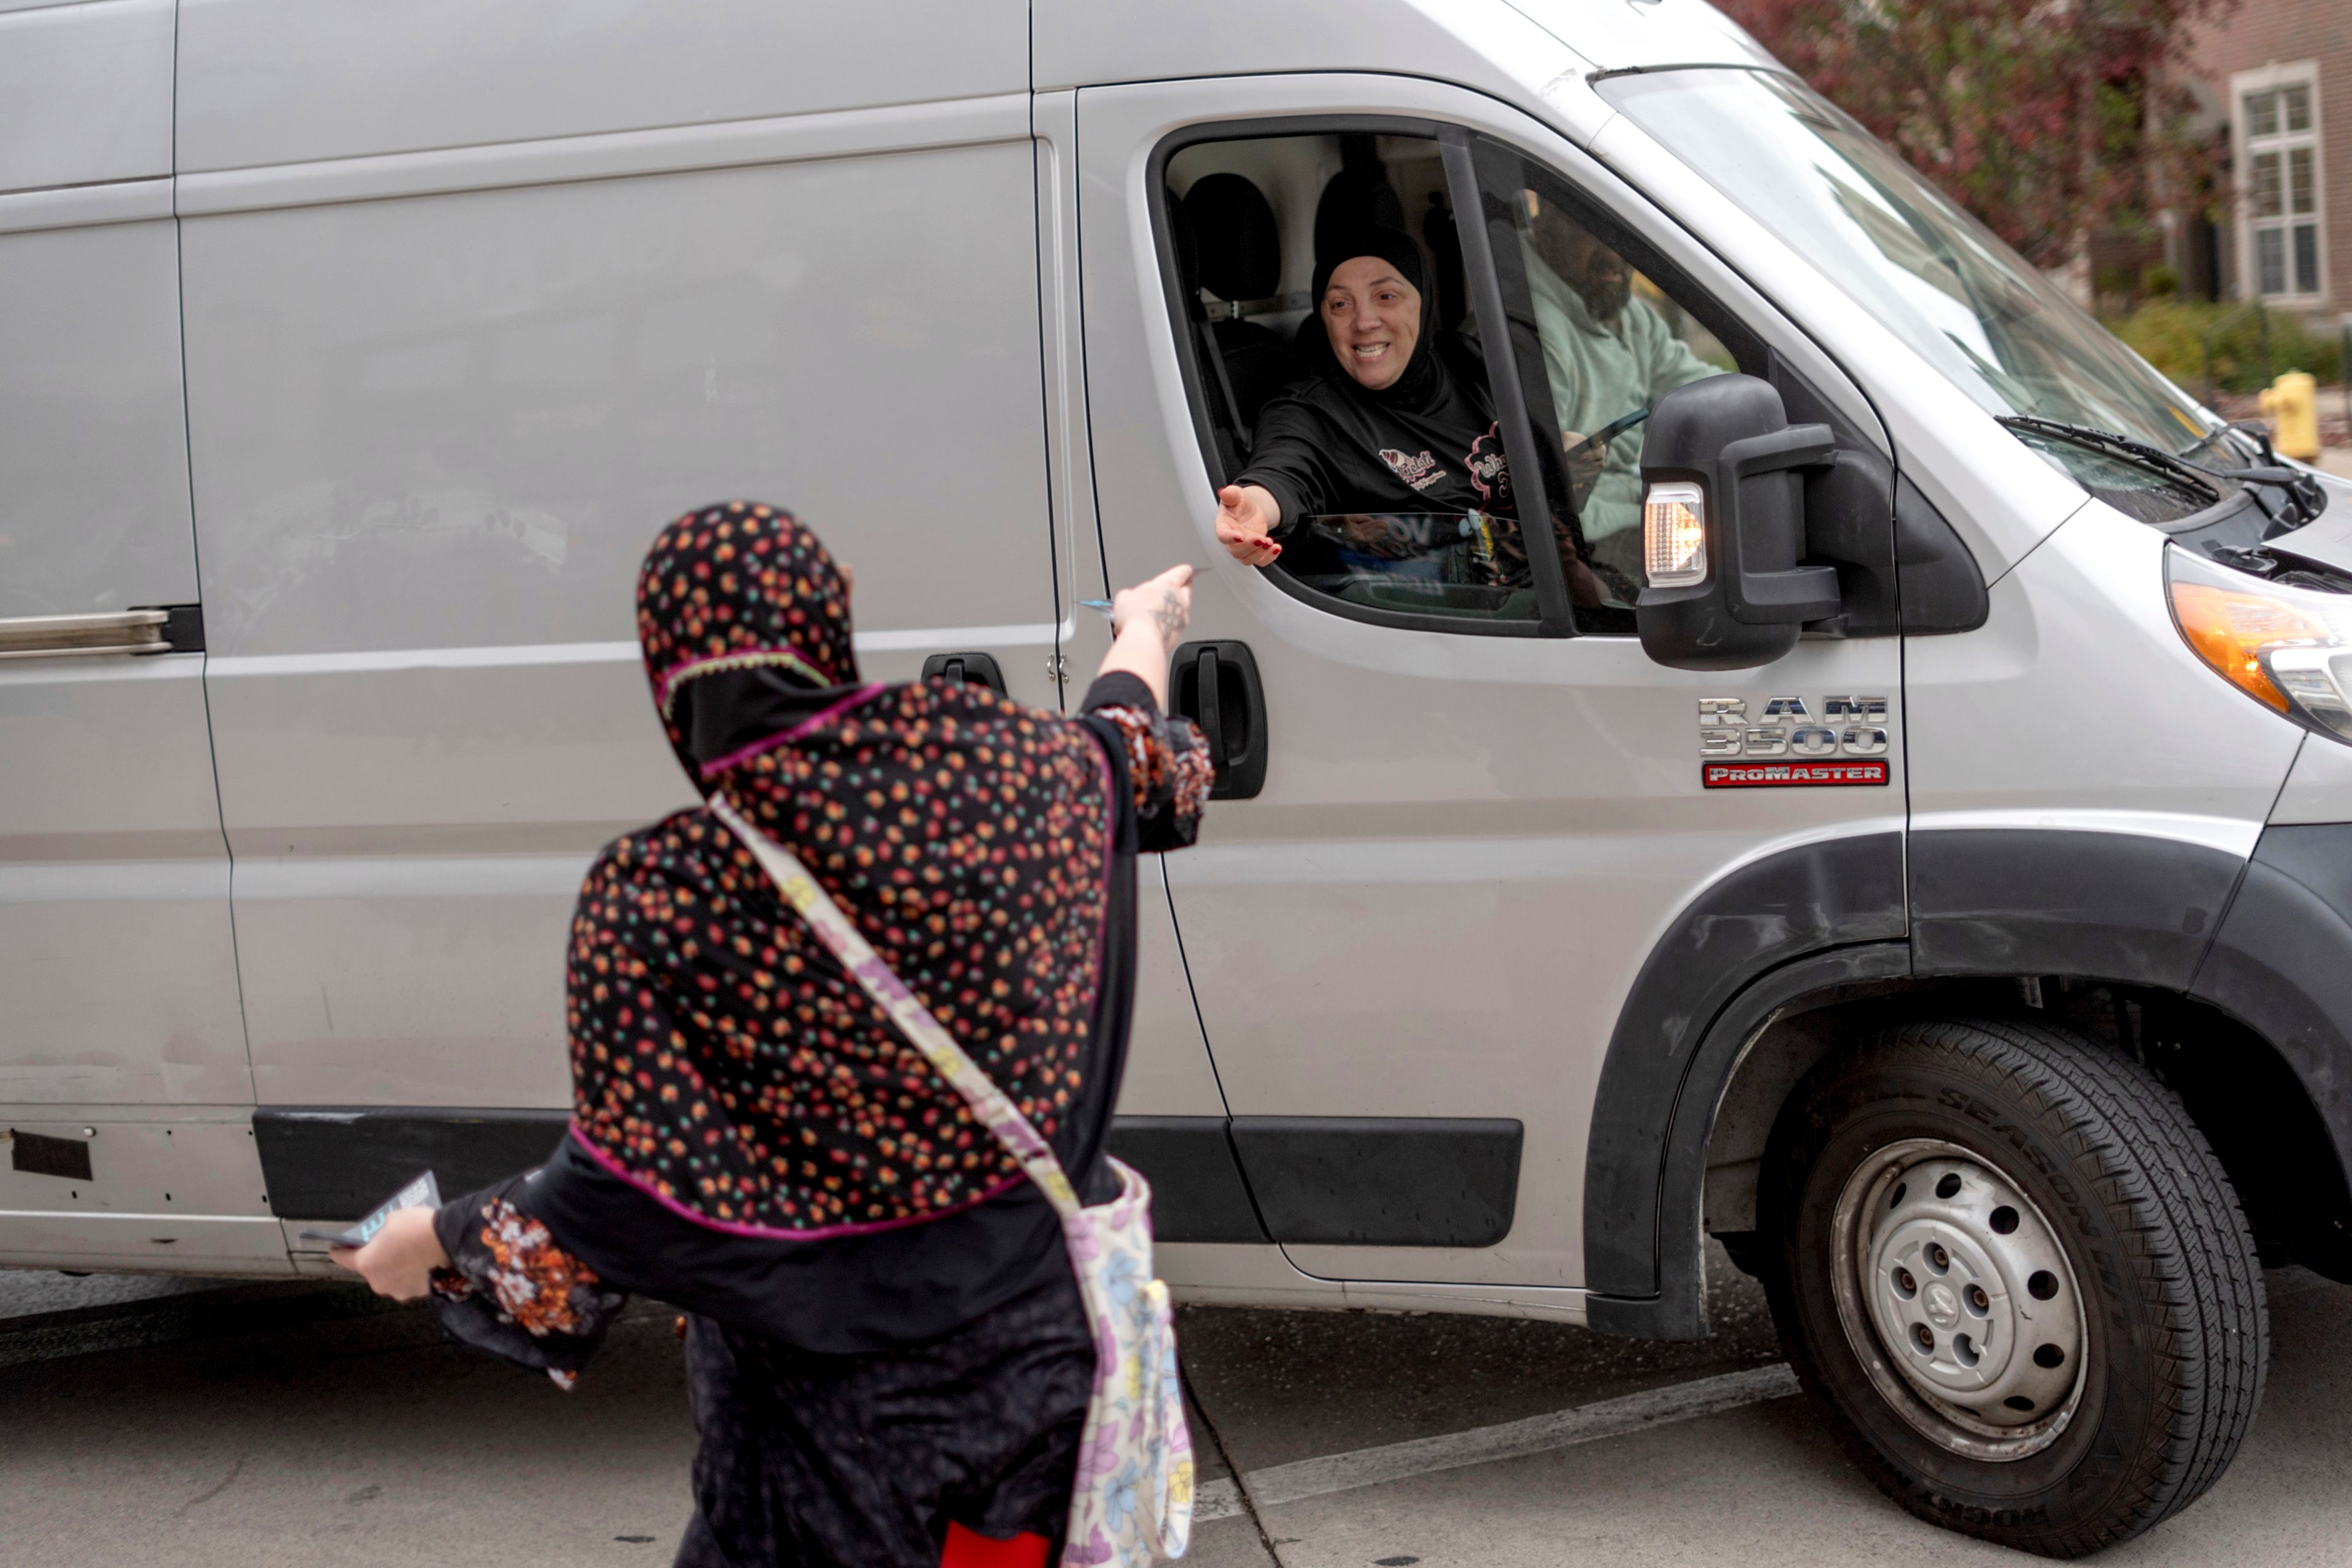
x: 885, y: 1348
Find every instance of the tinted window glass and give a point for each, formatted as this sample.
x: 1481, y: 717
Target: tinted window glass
x: 1612, y: 340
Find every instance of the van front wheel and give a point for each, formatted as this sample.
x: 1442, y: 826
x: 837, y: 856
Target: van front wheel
x: 2010, y: 1265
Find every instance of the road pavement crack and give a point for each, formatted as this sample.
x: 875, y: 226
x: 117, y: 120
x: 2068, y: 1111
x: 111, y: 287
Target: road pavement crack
x: 1275, y: 1485
x: 218, y: 1487
x: 1225, y: 1456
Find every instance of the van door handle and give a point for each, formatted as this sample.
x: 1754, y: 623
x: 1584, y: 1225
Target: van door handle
x: 1213, y: 709
x: 171, y: 628
x: 970, y: 668
x: 1216, y: 685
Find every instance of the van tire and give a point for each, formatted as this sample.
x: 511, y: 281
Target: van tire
x: 2173, y: 1331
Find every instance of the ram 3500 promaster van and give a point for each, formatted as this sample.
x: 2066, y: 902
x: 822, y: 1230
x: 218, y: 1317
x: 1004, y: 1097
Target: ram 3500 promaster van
x: 1907, y: 835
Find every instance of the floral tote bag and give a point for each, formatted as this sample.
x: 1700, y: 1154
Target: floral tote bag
x: 1133, y: 1498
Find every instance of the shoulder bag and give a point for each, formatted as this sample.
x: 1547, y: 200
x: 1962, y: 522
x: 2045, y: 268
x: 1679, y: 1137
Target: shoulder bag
x: 1133, y: 1495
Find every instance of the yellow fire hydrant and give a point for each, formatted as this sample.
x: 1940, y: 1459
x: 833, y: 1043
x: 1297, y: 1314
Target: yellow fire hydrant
x: 2292, y: 405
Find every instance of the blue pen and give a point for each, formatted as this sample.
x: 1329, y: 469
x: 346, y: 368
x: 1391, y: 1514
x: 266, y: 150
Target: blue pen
x: 1101, y: 607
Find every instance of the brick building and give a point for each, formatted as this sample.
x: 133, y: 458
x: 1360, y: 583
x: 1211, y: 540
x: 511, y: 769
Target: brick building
x: 2280, y: 76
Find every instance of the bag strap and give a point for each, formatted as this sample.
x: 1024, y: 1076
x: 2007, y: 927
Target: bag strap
x: 840, y: 935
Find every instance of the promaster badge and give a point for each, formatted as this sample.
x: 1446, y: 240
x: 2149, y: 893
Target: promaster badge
x: 1765, y: 775
x: 1846, y: 727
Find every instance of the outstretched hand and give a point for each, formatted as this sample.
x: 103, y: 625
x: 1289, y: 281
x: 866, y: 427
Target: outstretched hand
x: 1245, y: 515
x: 1147, y: 621
x: 1165, y: 602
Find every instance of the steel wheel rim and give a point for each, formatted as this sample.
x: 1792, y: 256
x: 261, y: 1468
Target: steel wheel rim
x: 1955, y: 1296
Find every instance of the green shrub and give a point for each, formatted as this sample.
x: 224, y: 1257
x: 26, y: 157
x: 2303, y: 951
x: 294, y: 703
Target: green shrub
x: 2169, y: 333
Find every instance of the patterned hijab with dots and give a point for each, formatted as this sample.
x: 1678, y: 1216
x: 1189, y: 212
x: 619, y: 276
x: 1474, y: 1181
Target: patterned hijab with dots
x: 738, y: 587
x: 721, y: 1059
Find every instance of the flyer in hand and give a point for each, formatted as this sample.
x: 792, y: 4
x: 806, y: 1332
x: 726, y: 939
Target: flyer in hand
x: 423, y: 1193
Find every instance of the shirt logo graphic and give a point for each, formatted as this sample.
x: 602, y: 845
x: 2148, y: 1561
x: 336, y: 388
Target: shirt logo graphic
x: 1420, y: 471
x: 1490, y: 471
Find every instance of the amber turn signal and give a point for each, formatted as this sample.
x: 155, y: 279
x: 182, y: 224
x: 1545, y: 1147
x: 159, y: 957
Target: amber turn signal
x: 2233, y: 619
x: 2229, y: 631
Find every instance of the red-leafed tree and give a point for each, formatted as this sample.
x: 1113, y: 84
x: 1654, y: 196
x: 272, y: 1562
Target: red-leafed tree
x: 2048, y: 119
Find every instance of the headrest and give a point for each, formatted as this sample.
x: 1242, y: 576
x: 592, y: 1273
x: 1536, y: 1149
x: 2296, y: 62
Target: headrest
x: 1354, y: 200
x: 1240, y: 248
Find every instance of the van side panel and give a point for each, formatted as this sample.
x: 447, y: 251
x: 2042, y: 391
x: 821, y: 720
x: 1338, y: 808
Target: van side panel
x: 85, y: 94
x: 94, y: 510
x: 431, y: 438
x: 275, y: 81
x: 110, y: 836
x: 120, y: 1042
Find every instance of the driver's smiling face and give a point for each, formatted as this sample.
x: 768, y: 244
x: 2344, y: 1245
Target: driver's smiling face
x: 1373, y: 320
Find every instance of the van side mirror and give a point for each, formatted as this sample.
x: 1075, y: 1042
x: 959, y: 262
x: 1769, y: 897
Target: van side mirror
x: 1723, y: 524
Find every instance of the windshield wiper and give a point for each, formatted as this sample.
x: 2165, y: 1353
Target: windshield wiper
x: 2182, y: 474
x: 2298, y: 496
x: 2234, y: 427
x: 2303, y: 496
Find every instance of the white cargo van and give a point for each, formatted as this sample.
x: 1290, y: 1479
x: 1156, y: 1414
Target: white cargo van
x: 1934, y: 880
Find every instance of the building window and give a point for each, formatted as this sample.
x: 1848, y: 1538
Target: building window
x: 2277, y: 120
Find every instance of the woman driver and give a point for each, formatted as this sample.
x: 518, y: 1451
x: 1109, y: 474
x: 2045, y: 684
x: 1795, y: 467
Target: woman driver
x: 1396, y: 431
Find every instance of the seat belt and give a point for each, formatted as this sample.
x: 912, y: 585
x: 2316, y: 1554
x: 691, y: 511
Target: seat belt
x: 1224, y: 382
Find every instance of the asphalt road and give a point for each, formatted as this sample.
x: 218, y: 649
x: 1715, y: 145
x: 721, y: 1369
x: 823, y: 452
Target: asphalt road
x: 148, y: 1421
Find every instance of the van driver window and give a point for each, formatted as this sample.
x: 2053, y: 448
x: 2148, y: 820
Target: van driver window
x: 1615, y: 341
x: 1345, y: 394
x: 1322, y: 282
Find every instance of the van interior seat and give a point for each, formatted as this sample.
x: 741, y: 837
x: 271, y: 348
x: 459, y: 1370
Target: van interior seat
x: 1237, y: 257
x: 1359, y: 196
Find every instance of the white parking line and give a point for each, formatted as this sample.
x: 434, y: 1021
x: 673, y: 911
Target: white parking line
x: 1480, y: 1445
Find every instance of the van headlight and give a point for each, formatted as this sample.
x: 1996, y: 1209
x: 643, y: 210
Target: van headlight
x: 2287, y: 647
x: 1673, y: 535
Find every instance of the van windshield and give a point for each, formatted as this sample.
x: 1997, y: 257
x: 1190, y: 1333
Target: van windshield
x: 1906, y: 253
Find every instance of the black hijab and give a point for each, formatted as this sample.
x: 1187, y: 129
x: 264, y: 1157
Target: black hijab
x: 1425, y: 387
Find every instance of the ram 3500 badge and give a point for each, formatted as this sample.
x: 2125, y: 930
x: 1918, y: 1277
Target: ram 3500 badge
x: 1815, y: 746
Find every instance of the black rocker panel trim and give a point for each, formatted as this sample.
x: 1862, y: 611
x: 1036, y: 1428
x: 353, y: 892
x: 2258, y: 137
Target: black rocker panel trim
x: 339, y: 1163
x: 1834, y: 893
x: 1382, y: 1181
x: 2281, y: 962
x: 2110, y: 906
x: 1197, y: 1191
x: 1395, y: 1182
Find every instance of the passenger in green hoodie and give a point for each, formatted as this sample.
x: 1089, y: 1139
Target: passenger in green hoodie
x: 1606, y: 353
